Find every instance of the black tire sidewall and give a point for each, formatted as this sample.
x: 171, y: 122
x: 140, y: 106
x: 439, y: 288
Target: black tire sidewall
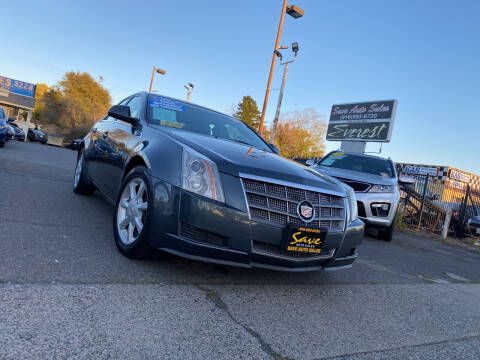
x: 140, y: 248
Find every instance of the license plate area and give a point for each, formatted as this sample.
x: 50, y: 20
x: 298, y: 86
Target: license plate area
x: 304, y: 239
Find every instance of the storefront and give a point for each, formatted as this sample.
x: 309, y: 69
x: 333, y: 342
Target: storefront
x: 17, y: 98
x: 455, y: 181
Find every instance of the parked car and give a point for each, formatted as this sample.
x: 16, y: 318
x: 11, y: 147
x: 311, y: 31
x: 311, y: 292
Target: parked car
x: 474, y: 224
x: 3, y: 128
x: 75, y: 144
x: 37, y: 135
x: 203, y: 185
x: 10, y: 132
x: 19, y: 134
x: 375, y: 183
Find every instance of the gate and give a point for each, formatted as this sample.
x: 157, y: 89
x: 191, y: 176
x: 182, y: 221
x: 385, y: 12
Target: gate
x: 425, y: 202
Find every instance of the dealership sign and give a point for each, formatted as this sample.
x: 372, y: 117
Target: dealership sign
x: 17, y: 93
x: 370, y: 121
x: 420, y: 170
x: 460, y: 176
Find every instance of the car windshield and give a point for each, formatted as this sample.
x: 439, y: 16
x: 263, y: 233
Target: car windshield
x: 164, y: 111
x: 360, y: 163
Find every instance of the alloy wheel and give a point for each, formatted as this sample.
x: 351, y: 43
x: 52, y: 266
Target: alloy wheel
x: 78, y: 170
x: 132, y: 210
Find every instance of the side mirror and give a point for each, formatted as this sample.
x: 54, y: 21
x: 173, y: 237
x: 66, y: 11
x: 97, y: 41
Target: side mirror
x: 274, y: 148
x: 310, y: 162
x: 122, y: 112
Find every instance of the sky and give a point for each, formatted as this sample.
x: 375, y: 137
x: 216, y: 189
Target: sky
x: 425, y: 54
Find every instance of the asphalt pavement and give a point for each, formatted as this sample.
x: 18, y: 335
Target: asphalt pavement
x: 66, y: 292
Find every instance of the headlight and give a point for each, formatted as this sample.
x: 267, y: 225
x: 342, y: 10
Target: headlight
x: 382, y: 189
x: 352, y: 203
x: 200, y: 175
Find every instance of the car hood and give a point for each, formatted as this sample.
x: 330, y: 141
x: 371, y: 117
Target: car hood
x: 238, y: 159
x: 355, y: 175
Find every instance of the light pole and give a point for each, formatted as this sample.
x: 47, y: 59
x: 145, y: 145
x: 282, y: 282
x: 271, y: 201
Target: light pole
x: 160, y: 71
x: 280, y: 96
x: 189, y: 90
x: 295, y: 12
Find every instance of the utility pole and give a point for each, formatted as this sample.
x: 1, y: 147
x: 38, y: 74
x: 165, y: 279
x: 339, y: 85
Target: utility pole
x: 189, y: 90
x: 280, y: 96
x: 160, y: 71
x: 295, y: 12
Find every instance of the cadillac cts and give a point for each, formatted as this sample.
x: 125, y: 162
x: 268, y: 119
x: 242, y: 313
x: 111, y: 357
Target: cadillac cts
x: 200, y: 184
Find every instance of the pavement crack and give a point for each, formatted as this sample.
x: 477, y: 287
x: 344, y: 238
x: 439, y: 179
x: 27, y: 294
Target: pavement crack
x: 214, y: 297
x: 399, y: 348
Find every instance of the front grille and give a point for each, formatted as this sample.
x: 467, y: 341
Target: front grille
x: 270, y: 249
x: 357, y: 186
x: 276, y: 204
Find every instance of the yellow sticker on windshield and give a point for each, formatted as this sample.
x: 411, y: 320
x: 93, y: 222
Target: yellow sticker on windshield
x: 172, y: 124
x: 337, y: 154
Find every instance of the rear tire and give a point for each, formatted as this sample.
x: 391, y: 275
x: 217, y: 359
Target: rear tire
x: 2, y: 144
x: 80, y: 183
x: 387, y: 233
x: 133, y: 214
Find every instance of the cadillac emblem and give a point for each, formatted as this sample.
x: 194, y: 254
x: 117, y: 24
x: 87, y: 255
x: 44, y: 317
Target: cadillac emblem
x: 306, y: 211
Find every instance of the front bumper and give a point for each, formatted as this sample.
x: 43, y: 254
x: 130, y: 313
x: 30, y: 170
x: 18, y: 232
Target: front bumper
x: 365, y: 201
x: 201, y: 229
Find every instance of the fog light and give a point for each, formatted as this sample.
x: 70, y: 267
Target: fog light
x: 380, y: 209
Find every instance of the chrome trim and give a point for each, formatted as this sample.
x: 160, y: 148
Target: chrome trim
x: 293, y: 258
x: 291, y: 184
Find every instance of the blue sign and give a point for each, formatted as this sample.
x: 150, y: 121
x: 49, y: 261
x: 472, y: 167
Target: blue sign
x: 165, y: 103
x: 17, y: 87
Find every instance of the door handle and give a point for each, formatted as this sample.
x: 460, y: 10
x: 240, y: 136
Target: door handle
x: 105, y: 134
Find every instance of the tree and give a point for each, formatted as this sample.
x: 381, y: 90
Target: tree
x: 40, y: 90
x: 74, y: 104
x: 247, y: 111
x: 301, y: 133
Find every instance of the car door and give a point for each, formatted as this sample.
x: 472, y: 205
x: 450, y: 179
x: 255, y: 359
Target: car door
x: 120, y: 141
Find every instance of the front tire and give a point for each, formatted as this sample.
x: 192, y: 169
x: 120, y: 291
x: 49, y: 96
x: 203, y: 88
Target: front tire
x: 80, y: 183
x: 133, y: 213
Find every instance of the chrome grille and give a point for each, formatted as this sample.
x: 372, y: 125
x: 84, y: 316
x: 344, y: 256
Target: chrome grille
x: 276, y: 204
x: 270, y: 249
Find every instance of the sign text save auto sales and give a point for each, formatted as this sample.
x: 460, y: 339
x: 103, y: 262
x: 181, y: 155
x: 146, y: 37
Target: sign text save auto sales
x: 366, y: 121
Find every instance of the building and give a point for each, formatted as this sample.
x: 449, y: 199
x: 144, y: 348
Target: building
x: 454, y: 182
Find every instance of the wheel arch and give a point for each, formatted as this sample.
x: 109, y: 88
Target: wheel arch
x: 134, y: 161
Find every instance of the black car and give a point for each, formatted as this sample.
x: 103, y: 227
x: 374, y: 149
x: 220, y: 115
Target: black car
x: 200, y: 184
x: 75, y: 144
x: 37, y: 135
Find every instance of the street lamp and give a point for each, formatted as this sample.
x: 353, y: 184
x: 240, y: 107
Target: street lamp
x: 295, y: 49
x: 295, y: 12
x: 189, y: 90
x: 160, y: 71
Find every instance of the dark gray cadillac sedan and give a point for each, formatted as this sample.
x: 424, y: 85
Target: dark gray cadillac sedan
x: 200, y: 184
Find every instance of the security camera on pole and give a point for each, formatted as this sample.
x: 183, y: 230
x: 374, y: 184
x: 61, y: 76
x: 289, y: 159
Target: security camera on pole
x: 295, y: 49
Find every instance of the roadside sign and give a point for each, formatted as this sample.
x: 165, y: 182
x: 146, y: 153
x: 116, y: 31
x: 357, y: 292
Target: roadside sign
x: 17, y: 93
x: 420, y: 170
x: 17, y: 87
x: 370, y: 121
